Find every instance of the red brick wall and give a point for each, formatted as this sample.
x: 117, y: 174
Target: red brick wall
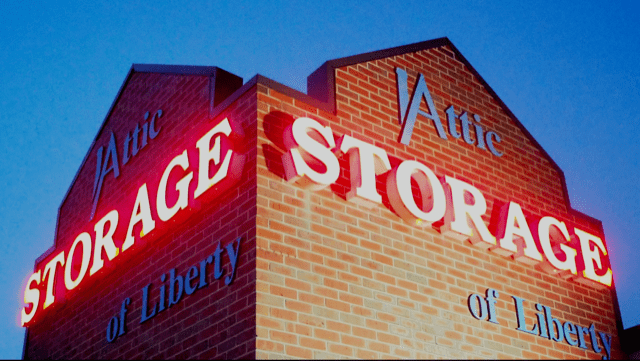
x: 216, y: 321
x: 336, y: 279
x: 318, y: 276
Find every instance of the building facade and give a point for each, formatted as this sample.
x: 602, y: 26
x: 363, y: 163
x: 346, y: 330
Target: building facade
x: 399, y: 209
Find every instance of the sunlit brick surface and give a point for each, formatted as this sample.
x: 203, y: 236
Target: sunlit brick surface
x: 336, y: 279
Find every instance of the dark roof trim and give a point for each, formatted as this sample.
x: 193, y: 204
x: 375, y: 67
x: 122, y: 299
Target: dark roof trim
x: 174, y: 69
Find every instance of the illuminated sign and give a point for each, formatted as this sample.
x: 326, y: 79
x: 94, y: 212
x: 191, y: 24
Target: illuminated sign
x: 312, y: 160
x: 409, y: 108
x: 545, y: 325
x: 110, y: 161
x: 218, y: 166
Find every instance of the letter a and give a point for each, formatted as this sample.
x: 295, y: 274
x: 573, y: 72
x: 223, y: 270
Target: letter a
x: 106, y: 168
x: 408, y: 110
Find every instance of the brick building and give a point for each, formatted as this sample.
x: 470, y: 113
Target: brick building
x: 397, y: 210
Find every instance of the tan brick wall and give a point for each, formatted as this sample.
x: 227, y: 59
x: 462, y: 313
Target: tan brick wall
x: 335, y: 279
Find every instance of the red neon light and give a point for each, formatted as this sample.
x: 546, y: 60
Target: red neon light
x: 226, y: 165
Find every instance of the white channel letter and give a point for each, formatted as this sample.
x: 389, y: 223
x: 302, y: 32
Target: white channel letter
x: 85, y: 239
x: 401, y: 194
x: 182, y: 186
x: 591, y: 254
x: 31, y: 295
x: 304, y: 150
x: 461, y: 215
x: 50, y: 270
x: 515, y: 224
x: 141, y: 213
x: 208, y: 154
x: 544, y: 228
x: 104, y: 241
x: 365, y: 161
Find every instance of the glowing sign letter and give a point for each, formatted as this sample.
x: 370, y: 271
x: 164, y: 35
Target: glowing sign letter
x: 31, y: 295
x: 544, y: 229
x: 141, y: 212
x: 461, y: 214
x: 401, y: 194
x: 165, y: 213
x: 513, y: 224
x: 208, y: 154
x: 50, y: 269
x: 305, y: 152
x: 591, y: 254
x: 365, y: 161
x: 104, y: 241
x: 85, y: 239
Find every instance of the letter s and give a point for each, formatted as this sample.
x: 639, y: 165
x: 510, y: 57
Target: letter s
x: 31, y: 296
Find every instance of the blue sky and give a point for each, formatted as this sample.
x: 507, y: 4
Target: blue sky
x: 567, y: 70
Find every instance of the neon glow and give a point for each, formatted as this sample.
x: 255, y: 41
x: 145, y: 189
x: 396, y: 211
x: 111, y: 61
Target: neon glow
x: 50, y: 270
x: 230, y: 168
x: 461, y: 204
x: 104, y: 241
x: 164, y: 212
x: 141, y: 213
x: 85, y: 239
x: 32, y: 297
x: 591, y: 254
x: 212, y: 154
x: 544, y: 230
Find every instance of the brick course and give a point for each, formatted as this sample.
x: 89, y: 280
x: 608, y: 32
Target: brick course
x: 396, y: 289
x: 319, y: 276
x: 217, y: 321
